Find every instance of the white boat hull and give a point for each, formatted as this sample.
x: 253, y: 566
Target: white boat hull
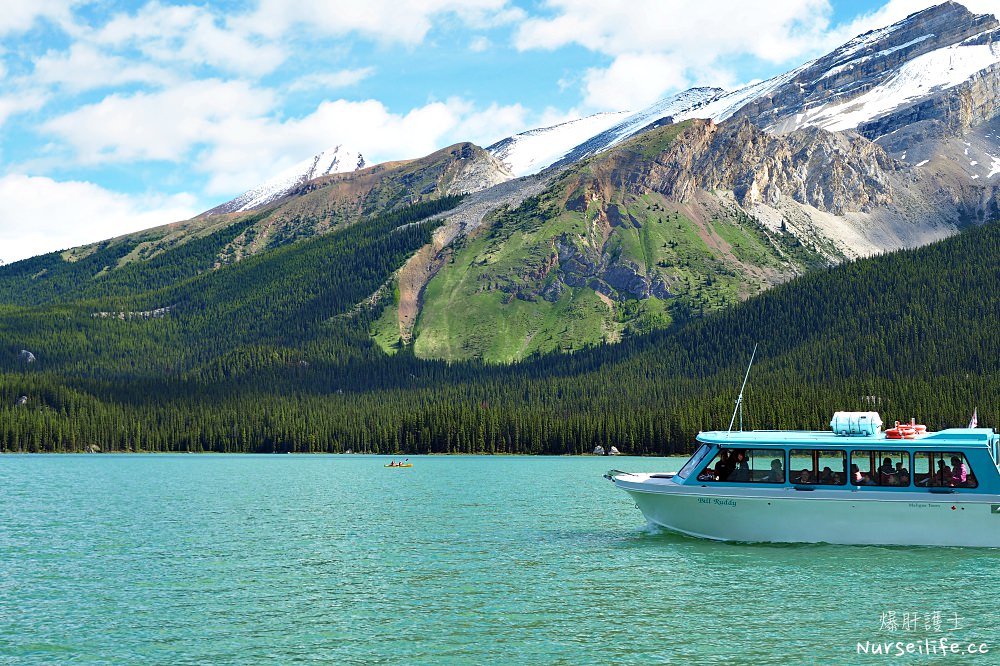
x: 841, y: 516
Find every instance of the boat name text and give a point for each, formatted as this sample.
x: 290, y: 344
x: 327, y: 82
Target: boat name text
x: 716, y: 500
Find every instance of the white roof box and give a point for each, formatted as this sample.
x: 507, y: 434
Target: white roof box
x: 856, y: 424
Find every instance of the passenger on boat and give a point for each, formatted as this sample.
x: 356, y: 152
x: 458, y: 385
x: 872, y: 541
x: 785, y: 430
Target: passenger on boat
x: 722, y: 468
x: 866, y: 479
x: 855, y: 475
x: 776, y: 475
x: 742, y: 470
x: 903, y: 478
x: 803, y: 477
x: 959, y: 474
x: 943, y: 475
x: 887, y: 473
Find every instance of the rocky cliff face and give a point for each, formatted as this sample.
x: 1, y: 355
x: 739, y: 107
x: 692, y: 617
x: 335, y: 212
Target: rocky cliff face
x: 832, y: 172
x: 477, y: 170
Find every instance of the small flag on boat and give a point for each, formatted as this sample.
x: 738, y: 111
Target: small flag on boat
x: 974, y: 423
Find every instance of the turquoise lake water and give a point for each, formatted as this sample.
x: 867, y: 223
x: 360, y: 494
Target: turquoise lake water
x: 212, y: 559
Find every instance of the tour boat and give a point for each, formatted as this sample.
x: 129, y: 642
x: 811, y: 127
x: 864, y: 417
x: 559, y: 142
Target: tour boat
x: 853, y: 484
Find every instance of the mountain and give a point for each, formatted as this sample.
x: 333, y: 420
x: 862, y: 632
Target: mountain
x: 333, y: 160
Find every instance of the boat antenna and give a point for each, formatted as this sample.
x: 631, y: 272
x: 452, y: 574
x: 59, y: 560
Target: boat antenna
x: 739, y: 399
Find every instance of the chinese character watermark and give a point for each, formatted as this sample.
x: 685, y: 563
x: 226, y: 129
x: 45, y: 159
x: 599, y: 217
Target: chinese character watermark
x: 934, y: 621
x: 934, y: 626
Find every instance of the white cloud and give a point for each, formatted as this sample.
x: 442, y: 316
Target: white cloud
x: 982, y: 6
x: 633, y: 81
x: 20, y: 103
x: 487, y: 126
x: 39, y: 215
x: 189, y: 35
x: 696, y: 31
x: 480, y: 44
x: 20, y: 15
x: 84, y: 67
x: 332, y: 80
x: 163, y: 125
x: 387, y: 21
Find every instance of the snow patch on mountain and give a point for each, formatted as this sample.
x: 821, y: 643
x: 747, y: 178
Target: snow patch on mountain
x: 994, y: 167
x: 725, y: 104
x: 687, y: 104
x: 833, y: 71
x: 529, y: 152
x: 333, y: 160
x: 864, y: 41
x: 926, y: 74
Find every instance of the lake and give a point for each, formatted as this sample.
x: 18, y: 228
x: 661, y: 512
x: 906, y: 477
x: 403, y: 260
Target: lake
x: 228, y: 559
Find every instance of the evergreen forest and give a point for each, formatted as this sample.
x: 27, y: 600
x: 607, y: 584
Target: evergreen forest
x: 274, y: 354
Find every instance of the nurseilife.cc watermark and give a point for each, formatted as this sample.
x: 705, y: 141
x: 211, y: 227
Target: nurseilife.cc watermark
x: 920, y: 633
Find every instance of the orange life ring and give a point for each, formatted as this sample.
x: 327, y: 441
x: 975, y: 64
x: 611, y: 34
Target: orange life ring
x: 905, y: 430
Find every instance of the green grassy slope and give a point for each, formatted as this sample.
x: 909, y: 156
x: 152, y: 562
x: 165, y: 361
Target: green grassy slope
x: 593, y: 259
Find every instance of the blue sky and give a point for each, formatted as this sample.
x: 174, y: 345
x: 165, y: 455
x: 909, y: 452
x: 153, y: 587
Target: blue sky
x: 118, y: 115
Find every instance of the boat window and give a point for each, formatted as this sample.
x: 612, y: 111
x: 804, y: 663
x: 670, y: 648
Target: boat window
x: 880, y: 468
x: 746, y: 466
x: 943, y: 468
x: 693, y: 461
x: 819, y: 467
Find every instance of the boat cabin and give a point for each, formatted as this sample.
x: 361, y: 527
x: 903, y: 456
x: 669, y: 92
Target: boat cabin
x: 854, y: 454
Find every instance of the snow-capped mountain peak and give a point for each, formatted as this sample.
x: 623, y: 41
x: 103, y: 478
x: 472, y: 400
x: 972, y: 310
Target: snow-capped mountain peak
x: 337, y: 159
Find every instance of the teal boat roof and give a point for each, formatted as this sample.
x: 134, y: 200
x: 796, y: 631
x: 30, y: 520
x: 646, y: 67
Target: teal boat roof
x: 952, y: 437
